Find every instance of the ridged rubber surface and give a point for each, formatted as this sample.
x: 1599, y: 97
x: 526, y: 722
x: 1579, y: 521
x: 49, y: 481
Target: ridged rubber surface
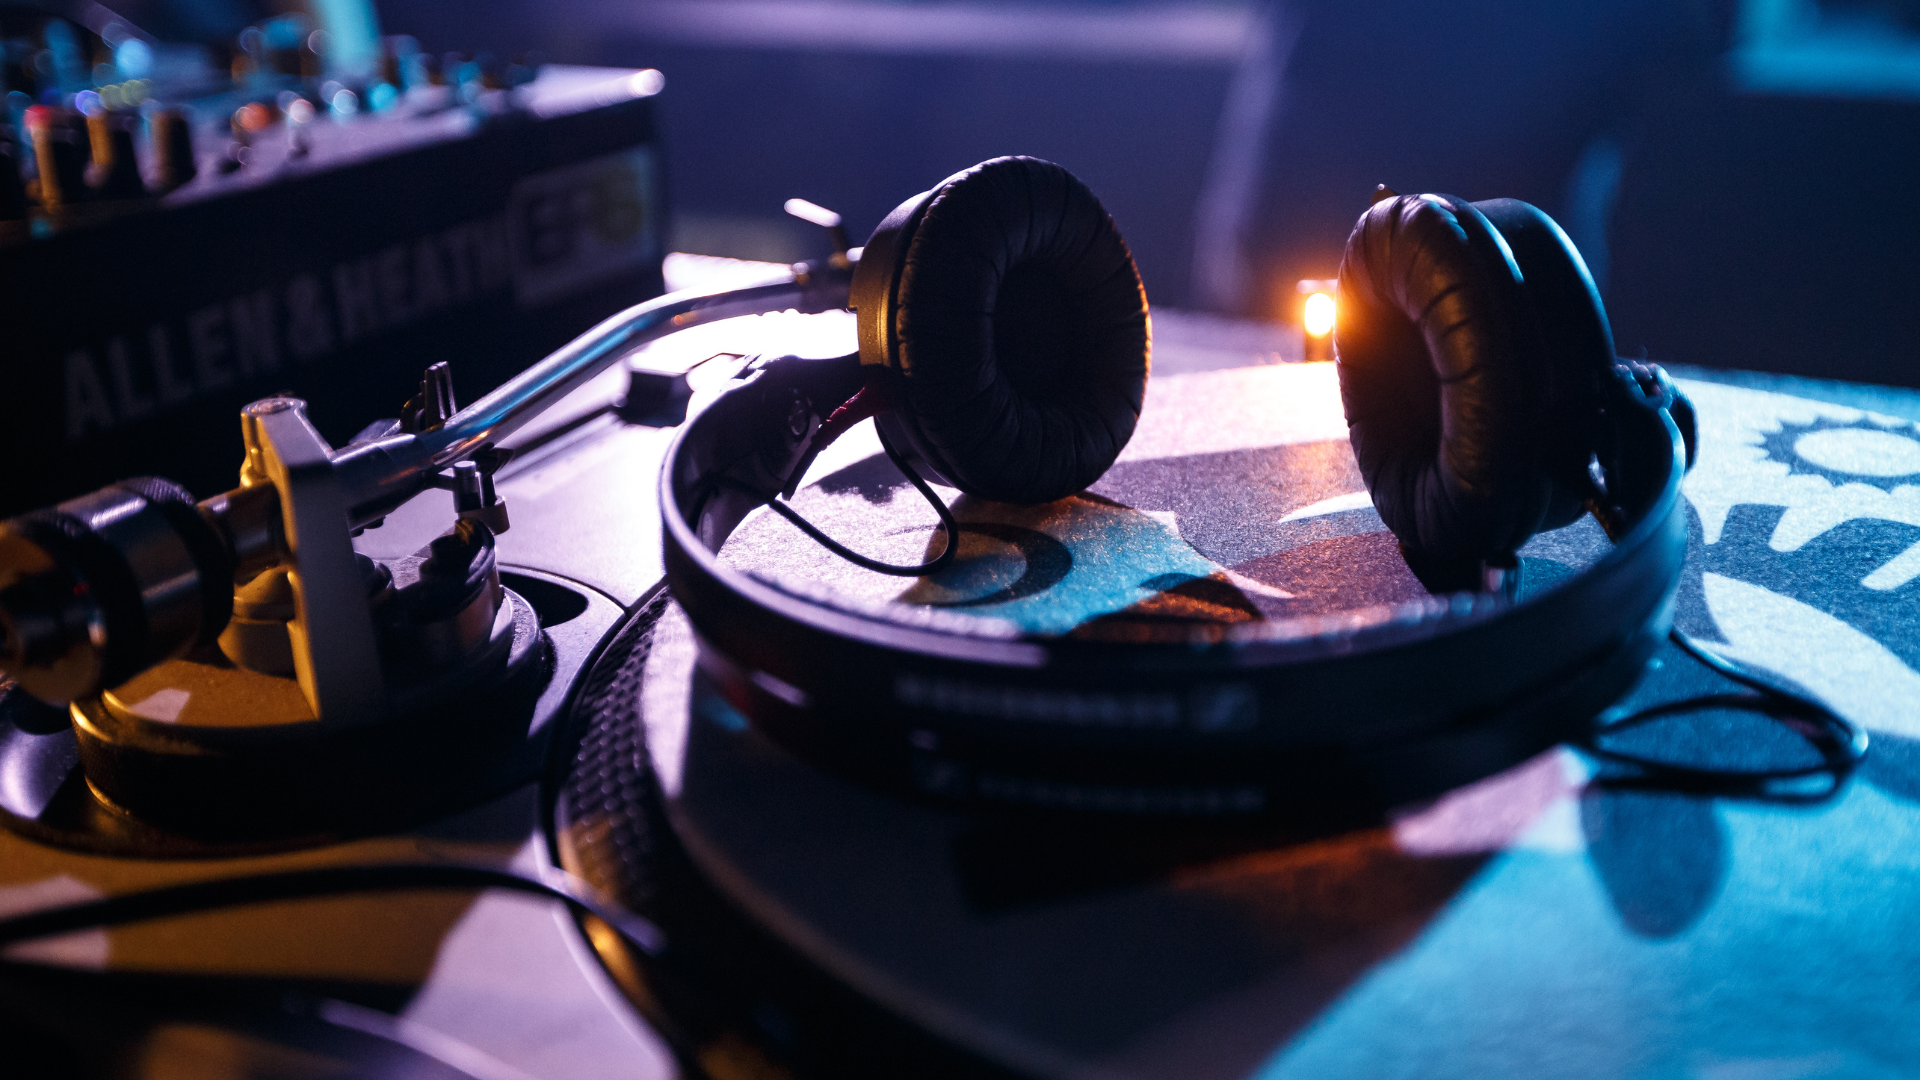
x: 607, y: 810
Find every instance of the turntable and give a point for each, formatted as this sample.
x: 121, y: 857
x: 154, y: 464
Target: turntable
x: 771, y: 908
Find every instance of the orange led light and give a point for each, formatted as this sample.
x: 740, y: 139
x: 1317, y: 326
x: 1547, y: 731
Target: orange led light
x: 1319, y: 315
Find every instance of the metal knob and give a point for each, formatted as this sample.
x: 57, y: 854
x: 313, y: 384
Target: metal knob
x: 60, y: 154
x: 114, y: 174
x: 172, y: 135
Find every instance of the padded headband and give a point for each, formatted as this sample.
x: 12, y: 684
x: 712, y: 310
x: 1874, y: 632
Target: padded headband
x: 1010, y: 308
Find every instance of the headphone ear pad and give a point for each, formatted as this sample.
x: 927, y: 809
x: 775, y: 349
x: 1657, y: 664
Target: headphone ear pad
x: 1577, y: 348
x: 1469, y: 361
x: 1019, y: 334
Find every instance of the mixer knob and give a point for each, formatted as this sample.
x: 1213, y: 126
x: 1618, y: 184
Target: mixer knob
x: 173, y: 163
x: 247, y: 121
x: 60, y: 155
x: 115, y: 173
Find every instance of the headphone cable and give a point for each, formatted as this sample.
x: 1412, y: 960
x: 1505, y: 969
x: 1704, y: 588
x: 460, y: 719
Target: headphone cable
x: 1841, y: 743
x: 931, y: 566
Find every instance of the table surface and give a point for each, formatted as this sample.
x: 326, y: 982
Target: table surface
x: 1542, y: 923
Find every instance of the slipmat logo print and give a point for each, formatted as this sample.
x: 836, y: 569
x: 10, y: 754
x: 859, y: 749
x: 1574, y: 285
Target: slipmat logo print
x: 1808, y: 547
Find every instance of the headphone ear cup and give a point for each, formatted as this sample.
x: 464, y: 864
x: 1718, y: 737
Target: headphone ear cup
x: 1018, y: 330
x: 1467, y: 363
x: 1577, y: 347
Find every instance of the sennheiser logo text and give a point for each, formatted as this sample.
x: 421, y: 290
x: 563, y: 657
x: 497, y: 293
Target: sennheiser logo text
x: 1226, y: 707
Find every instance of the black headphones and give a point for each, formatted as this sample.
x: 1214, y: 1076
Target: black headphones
x: 1004, y: 347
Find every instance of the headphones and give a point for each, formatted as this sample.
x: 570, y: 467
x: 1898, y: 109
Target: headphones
x: 1004, y: 349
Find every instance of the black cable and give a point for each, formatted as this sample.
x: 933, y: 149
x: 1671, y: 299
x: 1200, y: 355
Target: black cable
x: 932, y: 566
x: 323, y: 881
x: 1841, y: 743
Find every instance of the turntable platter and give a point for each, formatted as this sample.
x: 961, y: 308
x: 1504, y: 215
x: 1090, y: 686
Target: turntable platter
x: 1545, y: 919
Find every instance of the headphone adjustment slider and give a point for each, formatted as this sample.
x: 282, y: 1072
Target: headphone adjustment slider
x: 1500, y: 576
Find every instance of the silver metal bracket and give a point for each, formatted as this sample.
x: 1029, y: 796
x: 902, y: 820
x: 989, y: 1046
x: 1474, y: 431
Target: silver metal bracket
x: 336, y: 655
x: 474, y: 497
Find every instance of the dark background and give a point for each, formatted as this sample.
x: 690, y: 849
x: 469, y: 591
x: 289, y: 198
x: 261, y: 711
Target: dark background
x: 1738, y: 184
